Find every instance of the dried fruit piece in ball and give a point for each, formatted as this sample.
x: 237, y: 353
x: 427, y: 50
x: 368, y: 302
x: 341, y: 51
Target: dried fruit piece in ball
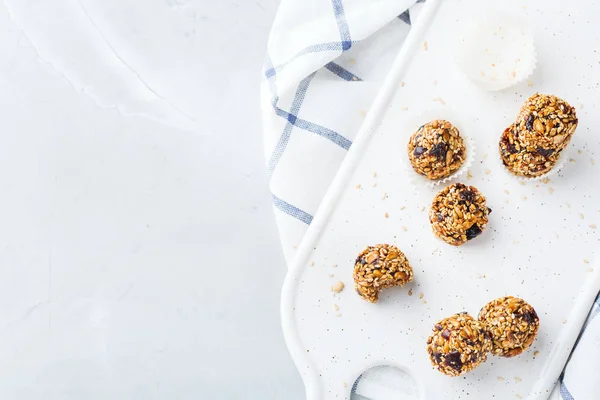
x: 512, y: 324
x: 379, y: 267
x: 436, y: 150
x: 458, y: 344
x: 459, y: 213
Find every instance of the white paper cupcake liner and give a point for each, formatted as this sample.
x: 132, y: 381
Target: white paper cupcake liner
x: 560, y: 163
x: 497, y: 51
x: 412, y: 125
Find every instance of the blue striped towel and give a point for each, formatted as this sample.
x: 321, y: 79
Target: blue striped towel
x: 326, y: 60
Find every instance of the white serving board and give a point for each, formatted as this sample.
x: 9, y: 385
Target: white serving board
x: 534, y: 246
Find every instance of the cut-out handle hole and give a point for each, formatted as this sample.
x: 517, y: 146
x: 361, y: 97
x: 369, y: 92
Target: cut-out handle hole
x: 385, y: 382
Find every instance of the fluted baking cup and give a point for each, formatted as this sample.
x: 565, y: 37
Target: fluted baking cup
x: 497, y: 51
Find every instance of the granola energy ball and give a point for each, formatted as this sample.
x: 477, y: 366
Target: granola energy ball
x: 458, y: 213
x: 521, y: 161
x: 458, y: 344
x: 378, y: 267
x: 545, y: 122
x: 436, y: 150
x: 512, y: 324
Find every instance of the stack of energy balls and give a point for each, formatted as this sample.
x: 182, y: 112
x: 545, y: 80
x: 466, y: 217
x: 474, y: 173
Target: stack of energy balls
x: 506, y: 327
x: 531, y: 146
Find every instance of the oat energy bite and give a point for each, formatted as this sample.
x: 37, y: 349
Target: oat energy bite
x: 458, y: 213
x: 436, y: 150
x: 458, y: 344
x: 512, y: 324
x: 544, y: 127
x: 379, y: 267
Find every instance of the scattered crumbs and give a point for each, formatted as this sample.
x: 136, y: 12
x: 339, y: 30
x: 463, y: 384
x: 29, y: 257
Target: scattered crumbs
x: 404, y: 108
x: 422, y: 208
x: 425, y: 46
x: 506, y: 191
x: 493, y: 65
x: 581, y: 216
x: 352, y: 61
x: 331, y: 275
x: 469, y: 175
x: 515, y: 241
x: 344, y: 383
x: 410, y: 292
x: 523, y: 197
x: 385, y: 196
x: 354, y: 78
x: 421, y: 295
x: 522, y: 183
x: 586, y: 261
x: 334, y: 265
x: 482, y: 73
x: 593, y: 226
x: 529, y: 83
x: 294, y: 246
x: 358, y: 186
x: 440, y: 100
x: 387, y: 215
x: 536, y: 353
x: 338, y: 315
x: 590, y: 269
x: 572, y: 161
x: 518, y: 379
x: 404, y: 228
x: 579, y: 152
x: 545, y: 180
x: 550, y: 190
x: 593, y: 161
x: 423, y: 301
x: 487, y: 171
x: 375, y: 174
x: 337, y: 287
x: 402, y: 84
x: 513, y: 74
x: 518, y: 396
x: 363, y: 113
x: 581, y: 105
x: 336, y: 307
x: 402, y: 208
x: 312, y: 263
x: 500, y: 378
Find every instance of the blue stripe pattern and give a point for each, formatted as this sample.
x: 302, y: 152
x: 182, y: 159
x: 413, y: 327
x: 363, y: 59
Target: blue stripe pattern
x: 292, y: 210
x: 564, y: 392
x: 342, y: 72
x: 340, y: 17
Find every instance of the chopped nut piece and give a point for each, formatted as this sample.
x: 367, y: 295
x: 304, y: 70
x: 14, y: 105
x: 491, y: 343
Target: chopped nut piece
x: 337, y: 287
x: 336, y: 307
x: 536, y: 353
x: 386, y: 215
x: 421, y: 295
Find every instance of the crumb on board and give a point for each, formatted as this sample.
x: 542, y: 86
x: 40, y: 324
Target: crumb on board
x: 344, y: 383
x: 506, y: 191
x: 421, y: 295
x: 545, y: 180
x: 410, y: 292
x: 375, y: 184
x: 336, y: 307
x: 536, y: 353
x: 529, y: 83
x: 404, y: 228
x: 312, y: 263
x: 404, y: 108
x: 337, y: 287
x: 523, y: 197
x: 518, y: 379
x: 402, y: 208
x: 402, y: 84
x: 331, y: 275
x: 572, y: 160
x: 334, y: 265
x: 593, y: 161
x: 522, y: 183
x: 590, y: 269
x: 425, y: 46
x: 423, y: 301
x: 386, y: 215
x: 585, y: 261
x: 500, y: 378
x: 483, y: 74
x: 579, y: 151
x: 439, y: 100
x: 422, y: 208
x: 469, y: 175
x: 550, y: 190
x: 352, y: 61
x: 564, y: 321
x: 488, y: 171
x: 518, y: 396
x: 385, y: 196
x: 484, y: 156
x: 374, y: 174
x: 581, y: 216
x: 363, y: 113
x: 593, y: 226
x: 358, y: 186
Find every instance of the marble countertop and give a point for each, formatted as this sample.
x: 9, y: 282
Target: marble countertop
x: 137, y: 260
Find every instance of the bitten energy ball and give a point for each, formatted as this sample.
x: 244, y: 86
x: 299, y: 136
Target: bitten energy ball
x: 379, y: 267
x: 458, y: 213
x: 436, y: 150
x: 512, y: 324
x: 545, y: 122
x: 522, y: 162
x: 458, y: 344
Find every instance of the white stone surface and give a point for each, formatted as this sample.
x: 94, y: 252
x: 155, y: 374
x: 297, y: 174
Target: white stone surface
x: 139, y: 261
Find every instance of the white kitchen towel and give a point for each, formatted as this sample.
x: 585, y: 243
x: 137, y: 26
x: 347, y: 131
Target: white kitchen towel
x: 325, y: 62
